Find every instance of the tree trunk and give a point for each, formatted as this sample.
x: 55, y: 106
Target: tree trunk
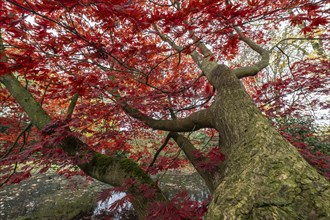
x: 263, y: 176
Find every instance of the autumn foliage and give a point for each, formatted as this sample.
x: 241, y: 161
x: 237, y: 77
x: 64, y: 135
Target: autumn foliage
x: 112, y: 54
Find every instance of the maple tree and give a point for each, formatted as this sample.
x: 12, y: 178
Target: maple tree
x: 84, y: 80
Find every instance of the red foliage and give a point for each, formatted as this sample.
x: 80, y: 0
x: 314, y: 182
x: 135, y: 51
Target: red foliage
x: 98, y: 49
x: 210, y: 160
x: 179, y: 208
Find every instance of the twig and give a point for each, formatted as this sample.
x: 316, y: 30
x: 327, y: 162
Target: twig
x: 296, y: 39
x: 8, y: 178
x: 16, y: 140
x: 168, y: 137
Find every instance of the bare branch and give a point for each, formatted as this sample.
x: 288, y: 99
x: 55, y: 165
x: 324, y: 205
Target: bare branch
x: 254, y: 69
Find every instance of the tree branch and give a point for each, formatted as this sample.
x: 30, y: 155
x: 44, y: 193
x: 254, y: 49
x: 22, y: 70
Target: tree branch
x: 12, y: 173
x: 297, y: 39
x: 36, y: 113
x: 16, y: 140
x: 33, y: 109
x: 167, y: 39
x: 72, y: 105
x: 204, y: 50
x: 254, y: 69
x: 111, y: 170
x: 204, y: 63
x: 193, y: 122
x: 168, y: 137
x: 40, y: 119
x: 188, y: 148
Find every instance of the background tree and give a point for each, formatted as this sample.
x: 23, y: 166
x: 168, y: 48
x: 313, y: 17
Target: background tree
x: 296, y: 101
x: 95, y: 75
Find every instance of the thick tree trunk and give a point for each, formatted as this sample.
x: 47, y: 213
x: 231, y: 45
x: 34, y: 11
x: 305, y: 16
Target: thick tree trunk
x: 263, y: 177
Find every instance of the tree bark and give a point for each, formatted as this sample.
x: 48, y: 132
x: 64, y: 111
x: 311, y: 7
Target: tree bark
x: 263, y: 176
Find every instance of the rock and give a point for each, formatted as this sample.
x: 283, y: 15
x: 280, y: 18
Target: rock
x: 53, y: 197
x: 49, y: 196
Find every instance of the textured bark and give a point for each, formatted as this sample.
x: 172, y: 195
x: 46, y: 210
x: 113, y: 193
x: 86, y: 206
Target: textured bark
x: 263, y: 177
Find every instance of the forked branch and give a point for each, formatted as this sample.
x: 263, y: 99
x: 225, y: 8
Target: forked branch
x: 204, y: 63
x: 111, y: 170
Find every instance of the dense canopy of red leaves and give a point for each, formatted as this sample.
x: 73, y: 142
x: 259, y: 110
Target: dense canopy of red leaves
x: 59, y: 48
